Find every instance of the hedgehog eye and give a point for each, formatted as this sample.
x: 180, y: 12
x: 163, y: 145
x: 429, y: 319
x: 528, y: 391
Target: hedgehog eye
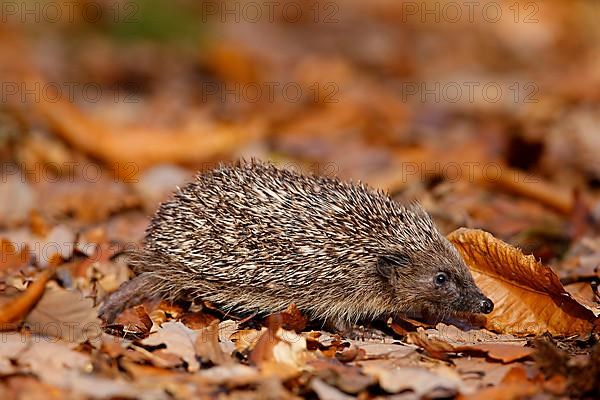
x: 440, y: 278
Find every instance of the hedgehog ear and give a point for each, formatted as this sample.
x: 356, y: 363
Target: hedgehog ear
x: 388, y: 262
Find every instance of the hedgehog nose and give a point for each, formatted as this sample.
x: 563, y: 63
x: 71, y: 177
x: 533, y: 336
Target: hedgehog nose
x: 486, y: 306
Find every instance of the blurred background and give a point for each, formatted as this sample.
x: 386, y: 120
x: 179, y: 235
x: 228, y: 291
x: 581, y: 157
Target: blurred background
x: 486, y: 111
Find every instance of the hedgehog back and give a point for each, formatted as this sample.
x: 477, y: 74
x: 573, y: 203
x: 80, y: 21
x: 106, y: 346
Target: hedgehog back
x: 273, y: 236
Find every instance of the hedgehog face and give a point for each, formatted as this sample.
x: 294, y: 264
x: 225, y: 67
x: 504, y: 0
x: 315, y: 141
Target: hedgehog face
x: 436, y: 281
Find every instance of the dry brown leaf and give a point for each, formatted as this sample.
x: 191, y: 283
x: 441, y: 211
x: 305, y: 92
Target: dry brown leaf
x: 13, y: 344
x: 382, y: 350
x: 515, y: 385
x: 29, y: 387
x: 583, y: 293
x: 439, y: 348
x: 37, y: 224
x: 346, y: 377
x: 162, y: 358
x: 421, y: 381
x: 459, y: 337
x: 17, y: 308
x: 197, y: 320
x: 179, y: 341
x: 291, y: 350
x: 278, y: 346
x: 528, y: 296
x: 12, y: 257
x: 207, y: 345
x: 130, y: 149
x: 88, y: 200
x: 133, y: 322
x: 246, y: 339
x: 51, y: 249
x: 53, y: 361
x: 450, y: 339
x: 534, y: 187
x: 435, y: 347
x: 403, y: 325
x: 235, y: 374
x: 292, y: 318
x: 500, y: 351
x: 263, y: 349
x: 325, y: 391
x: 65, y: 314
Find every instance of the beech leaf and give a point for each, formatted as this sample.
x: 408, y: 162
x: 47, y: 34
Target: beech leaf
x: 528, y: 296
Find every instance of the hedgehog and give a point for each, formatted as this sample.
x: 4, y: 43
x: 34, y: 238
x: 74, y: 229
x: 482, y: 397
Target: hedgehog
x: 255, y: 238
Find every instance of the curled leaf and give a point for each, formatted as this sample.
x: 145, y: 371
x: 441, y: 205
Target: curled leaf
x: 18, y: 308
x: 528, y: 296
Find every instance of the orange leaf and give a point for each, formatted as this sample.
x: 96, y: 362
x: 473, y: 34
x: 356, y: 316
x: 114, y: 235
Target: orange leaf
x: 500, y: 351
x: 17, y: 308
x: 528, y: 296
x: 439, y: 348
x: 12, y: 258
x: 291, y: 318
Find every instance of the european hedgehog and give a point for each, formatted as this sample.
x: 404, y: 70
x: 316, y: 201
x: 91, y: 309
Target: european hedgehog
x: 254, y: 238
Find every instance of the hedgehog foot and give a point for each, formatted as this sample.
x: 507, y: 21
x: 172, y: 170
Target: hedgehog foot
x: 130, y: 293
x: 365, y: 334
x: 356, y: 332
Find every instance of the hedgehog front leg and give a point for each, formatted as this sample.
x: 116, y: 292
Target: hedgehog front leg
x: 354, y: 332
x: 130, y: 293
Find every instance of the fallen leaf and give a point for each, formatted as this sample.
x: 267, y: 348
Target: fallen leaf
x: 121, y: 147
x: 17, y: 308
x: 478, y: 372
x: 37, y: 224
x: 178, y: 340
x: 583, y: 293
x: 29, y: 387
x: 351, y: 353
x: 459, y: 337
x: 65, y: 314
x: 12, y: 258
x: 235, y: 374
x: 327, y: 392
x: 435, y: 347
x: 197, y: 320
x: 348, y: 378
x: 87, y: 200
x: 505, y: 391
x: 421, y: 381
x: 53, y: 360
x: 291, y: 349
x: 55, y: 363
x: 447, y: 339
x: 528, y: 296
x: 207, y: 345
x: 534, y: 187
x: 292, y: 319
x: 59, y: 242
x: 264, y: 348
x: 13, y: 343
x: 384, y: 350
x: 500, y: 351
x: 226, y: 329
x: 18, y: 197
x: 132, y: 323
x: 246, y: 339
x: 160, y: 358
